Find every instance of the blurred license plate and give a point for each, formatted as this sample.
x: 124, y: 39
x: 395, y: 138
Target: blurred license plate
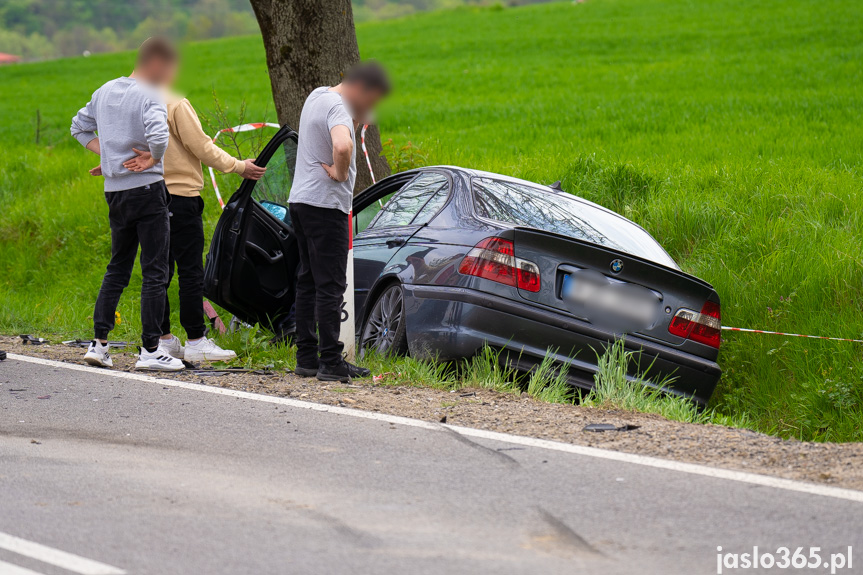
x: 617, y: 305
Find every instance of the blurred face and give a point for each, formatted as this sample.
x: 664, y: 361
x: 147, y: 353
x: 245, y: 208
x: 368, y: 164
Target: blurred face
x: 166, y: 73
x: 160, y: 72
x: 362, y: 100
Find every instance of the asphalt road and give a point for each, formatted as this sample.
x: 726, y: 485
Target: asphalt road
x: 126, y: 476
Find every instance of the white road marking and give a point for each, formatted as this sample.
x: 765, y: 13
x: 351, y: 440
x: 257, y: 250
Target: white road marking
x: 691, y: 468
x: 45, y: 554
x: 9, y: 569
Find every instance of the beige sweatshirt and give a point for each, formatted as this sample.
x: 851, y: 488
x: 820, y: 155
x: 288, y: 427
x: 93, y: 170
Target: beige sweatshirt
x: 189, y: 146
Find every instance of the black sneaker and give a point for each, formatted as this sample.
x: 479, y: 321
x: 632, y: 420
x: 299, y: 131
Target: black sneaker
x: 306, y: 371
x: 357, y: 371
x: 342, y: 371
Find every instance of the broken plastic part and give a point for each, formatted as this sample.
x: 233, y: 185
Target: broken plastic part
x: 600, y: 427
x: 227, y: 370
x: 86, y: 343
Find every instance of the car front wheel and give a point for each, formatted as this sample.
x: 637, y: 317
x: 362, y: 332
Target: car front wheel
x: 384, y: 330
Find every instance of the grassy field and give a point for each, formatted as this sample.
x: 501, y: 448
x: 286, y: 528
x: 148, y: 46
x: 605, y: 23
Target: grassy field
x: 731, y: 131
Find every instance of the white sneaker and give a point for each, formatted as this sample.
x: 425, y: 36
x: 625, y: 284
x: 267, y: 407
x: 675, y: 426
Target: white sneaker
x: 97, y: 354
x: 206, y: 350
x: 158, y: 361
x: 172, y: 347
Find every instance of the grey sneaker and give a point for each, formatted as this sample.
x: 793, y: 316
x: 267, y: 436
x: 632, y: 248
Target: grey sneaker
x: 172, y: 347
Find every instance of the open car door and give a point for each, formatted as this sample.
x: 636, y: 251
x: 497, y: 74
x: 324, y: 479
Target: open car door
x: 252, y: 262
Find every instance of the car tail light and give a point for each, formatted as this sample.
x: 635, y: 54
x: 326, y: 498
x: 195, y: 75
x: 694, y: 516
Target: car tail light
x: 527, y: 275
x: 494, y: 259
x: 704, y: 327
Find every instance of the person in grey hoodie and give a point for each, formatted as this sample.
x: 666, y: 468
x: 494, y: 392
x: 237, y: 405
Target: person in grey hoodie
x: 123, y: 117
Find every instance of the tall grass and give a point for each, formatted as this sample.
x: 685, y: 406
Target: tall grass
x: 613, y: 389
x: 728, y: 130
x: 548, y: 382
x: 488, y: 369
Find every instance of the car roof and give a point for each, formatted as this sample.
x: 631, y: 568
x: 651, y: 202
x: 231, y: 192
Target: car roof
x: 470, y: 172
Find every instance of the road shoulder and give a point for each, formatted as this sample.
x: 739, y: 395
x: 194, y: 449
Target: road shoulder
x: 836, y: 465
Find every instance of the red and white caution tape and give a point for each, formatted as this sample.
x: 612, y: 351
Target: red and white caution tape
x: 366, y: 152
x: 235, y: 129
x: 214, y: 318
x: 743, y: 329
x: 368, y: 160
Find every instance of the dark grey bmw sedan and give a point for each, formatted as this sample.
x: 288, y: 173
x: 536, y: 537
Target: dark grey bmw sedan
x: 448, y: 260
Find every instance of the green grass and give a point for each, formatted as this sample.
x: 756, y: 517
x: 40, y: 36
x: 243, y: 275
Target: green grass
x: 613, y: 390
x: 487, y: 370
x: 731, y: 131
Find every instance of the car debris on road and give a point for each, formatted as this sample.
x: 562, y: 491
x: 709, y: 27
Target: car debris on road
x: 227, y: 370
x: 85, y: 343
x: 601, y: 427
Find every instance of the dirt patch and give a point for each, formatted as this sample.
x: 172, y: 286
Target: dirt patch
x: 834, y: 464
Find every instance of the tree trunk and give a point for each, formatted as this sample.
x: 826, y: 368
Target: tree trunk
x: 312, y: 43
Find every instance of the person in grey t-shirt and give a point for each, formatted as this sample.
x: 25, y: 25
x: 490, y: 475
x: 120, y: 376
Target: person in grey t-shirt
x: 125, y: 115
x: 317, y: 181
x: 320, y: 201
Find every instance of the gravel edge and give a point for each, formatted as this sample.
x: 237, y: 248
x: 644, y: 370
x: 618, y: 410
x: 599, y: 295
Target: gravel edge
x: 835, y: 464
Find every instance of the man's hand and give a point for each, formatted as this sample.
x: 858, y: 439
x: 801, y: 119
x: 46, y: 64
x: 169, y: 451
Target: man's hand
x: 97, y: 171
x: 334, y: 174
x: 253, y: 171
x: 143, y: 161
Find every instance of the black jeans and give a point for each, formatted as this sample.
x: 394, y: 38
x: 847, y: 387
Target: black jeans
x: 187, y: 253
x: 322, y: 238
x: 137, y: 216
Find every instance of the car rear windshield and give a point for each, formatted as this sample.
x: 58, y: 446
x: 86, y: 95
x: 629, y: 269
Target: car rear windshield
x: 523, y: 205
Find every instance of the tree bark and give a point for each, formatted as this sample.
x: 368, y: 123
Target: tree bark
x: 312, y: 43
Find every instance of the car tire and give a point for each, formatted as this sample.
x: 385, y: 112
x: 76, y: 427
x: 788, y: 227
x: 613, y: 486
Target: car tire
x: 385, y: 330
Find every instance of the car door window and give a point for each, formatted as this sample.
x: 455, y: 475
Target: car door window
x: 273, y: 189
x: 367, y: 215
x: 407, y: 203
x: 432, y: 206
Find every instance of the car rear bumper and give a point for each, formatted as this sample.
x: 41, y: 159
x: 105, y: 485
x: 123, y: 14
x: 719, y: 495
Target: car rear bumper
x: 453, y: 322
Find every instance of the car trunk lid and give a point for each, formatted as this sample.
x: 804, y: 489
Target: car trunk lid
x: 607, y: 287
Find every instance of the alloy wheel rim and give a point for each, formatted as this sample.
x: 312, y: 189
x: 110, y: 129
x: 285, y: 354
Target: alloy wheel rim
x: 384, y: 321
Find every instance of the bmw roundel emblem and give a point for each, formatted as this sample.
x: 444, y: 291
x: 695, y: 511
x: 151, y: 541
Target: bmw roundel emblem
x: 616, y: 266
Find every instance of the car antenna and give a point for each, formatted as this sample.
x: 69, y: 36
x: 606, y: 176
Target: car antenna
x: 556, y: 186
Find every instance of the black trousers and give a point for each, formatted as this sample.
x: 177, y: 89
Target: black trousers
x: 187, y: 254
x: 137, y: 216
x: 322, y: 237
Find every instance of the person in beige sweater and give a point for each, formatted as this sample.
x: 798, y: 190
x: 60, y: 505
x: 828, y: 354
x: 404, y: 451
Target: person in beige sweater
x: 189, y: 146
